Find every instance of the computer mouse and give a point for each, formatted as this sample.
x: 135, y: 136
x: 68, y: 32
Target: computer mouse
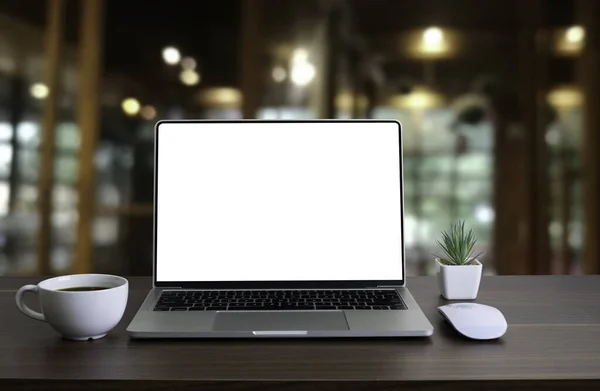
x: 475, y: 321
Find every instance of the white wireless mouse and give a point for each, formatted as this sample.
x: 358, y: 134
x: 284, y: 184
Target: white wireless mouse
x: 475, y: 321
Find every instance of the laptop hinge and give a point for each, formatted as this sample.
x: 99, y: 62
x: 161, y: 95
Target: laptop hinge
x: 390, y: 286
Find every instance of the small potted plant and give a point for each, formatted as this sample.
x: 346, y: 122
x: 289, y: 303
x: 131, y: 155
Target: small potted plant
x: 458, y: 271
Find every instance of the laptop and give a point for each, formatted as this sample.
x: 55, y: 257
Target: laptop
x: 271, y: 229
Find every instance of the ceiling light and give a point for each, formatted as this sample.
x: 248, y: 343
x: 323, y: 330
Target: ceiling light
x: 130, y: 106
x: 219, y: 97
x: 189, y: 77
x: 188, y: 63
x: 300, y: 55
x: 39, y: 91
x: 575, y: 34
x: 302, y: 74
x: 433, y: 38
x: 148, y: 112
x: 302, y: 71
x: 420, y: 98
x: 565, y: 97
x: 171, y: 55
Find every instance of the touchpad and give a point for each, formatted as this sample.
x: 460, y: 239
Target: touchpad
x: 284, y: 321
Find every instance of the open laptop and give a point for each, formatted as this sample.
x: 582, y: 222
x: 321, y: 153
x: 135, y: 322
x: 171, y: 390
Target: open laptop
x: 278, y: 229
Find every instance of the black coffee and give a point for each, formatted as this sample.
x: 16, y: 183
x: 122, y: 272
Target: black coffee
x: 84, y: 288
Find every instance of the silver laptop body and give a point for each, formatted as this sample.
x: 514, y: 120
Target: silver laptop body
x: 262, y: 208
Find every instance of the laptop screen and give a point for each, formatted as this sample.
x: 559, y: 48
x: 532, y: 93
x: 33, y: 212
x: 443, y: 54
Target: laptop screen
x: 278, y: 201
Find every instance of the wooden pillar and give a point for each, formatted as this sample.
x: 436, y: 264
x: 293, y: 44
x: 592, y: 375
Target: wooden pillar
x: 355, y: 109
x: 521, y: 243
x: 328, y: 72
x: 354, y: 65
x: 537, y: 122
x: 372, y: 94
x: 509, y: 241
x: 250, y: 56
x: 566, y: 184
x: 16, y: 110
x: 589, y: 66
x: 533, y: 86
x: 54, y: 37
x: 88, y: 119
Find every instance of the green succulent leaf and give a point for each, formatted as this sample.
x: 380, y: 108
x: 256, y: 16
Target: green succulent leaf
x: 457, y: 244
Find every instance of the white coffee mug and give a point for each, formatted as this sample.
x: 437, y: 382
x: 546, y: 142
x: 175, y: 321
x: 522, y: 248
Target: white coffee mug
x: 79, y: 315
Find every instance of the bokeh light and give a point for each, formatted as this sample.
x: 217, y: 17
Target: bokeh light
x: 39, y: 91
x: 148, y: 112
x: 279, y: 74
x: 189, y: 77
x: 575, y: 34
x: 302, y: 71
x: 171, y: 55
x: 188, y: 63
x: 130, y: 106
x: 433, y: 39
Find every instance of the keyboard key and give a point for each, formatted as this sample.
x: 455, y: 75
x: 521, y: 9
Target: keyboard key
x: 236, y: 308
x: 170, y: 305
x: 196, y: 308
x: 381, y: 302
x: 326, y: 307
x: 297, y: 307
x: 263, y: 308
x: 362, y: 307
x: 179, y: 309
x: 162, y: 308
x: 346, y: 307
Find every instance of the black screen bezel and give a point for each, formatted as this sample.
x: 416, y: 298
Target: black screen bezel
x: 274, y: 284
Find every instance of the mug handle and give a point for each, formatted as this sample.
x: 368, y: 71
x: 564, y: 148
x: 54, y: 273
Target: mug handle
x: 24, y: 309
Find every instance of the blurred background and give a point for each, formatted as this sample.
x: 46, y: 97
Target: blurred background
x: 499, y: 103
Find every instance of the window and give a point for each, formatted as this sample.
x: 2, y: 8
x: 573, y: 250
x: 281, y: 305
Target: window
x: 443, y: 183
x: 6, y: 130
x: 28, y: 134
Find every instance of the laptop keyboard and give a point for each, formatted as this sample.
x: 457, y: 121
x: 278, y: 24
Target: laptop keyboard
x: 279, y: 300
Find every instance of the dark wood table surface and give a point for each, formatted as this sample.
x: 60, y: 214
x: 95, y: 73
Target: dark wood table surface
x: 552, y: 343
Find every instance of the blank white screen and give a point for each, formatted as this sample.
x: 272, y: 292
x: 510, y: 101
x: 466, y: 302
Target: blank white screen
x: 278, y: 201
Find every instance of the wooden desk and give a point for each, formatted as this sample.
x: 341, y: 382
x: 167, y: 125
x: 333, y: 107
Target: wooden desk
x: 552, y: 343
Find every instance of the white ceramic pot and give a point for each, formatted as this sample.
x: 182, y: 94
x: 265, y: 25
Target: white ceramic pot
x: 458, y: 282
